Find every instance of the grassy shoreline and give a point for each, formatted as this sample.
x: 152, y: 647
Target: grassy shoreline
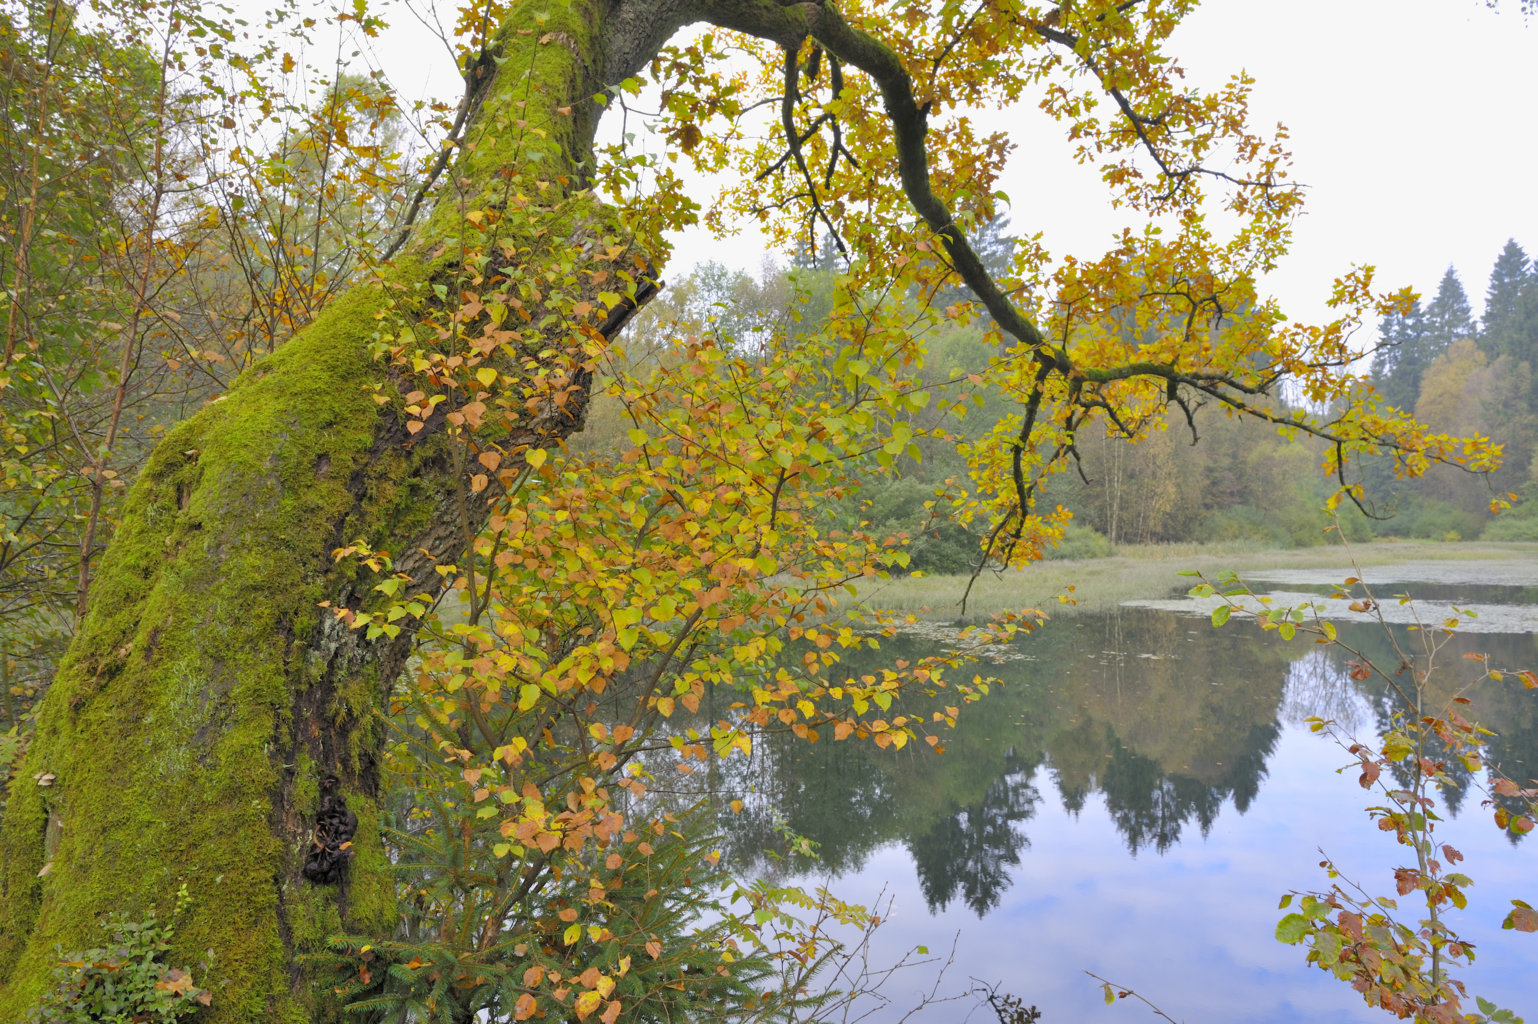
x: 1147, y: 570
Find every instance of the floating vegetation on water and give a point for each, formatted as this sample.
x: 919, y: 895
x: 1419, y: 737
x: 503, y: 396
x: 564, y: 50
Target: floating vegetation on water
x: 1472, y: 617
x: 1507, y: 572
x: 954, y: 636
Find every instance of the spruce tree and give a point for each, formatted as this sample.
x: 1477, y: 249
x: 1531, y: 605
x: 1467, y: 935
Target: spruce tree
x: 1410, y: 342
x: 1449, y: 317
x: 1401, y: 358
x: 1509, y: 327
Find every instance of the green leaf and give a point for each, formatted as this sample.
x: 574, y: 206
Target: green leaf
x: 1292, y: 929
x: 1220, y: 615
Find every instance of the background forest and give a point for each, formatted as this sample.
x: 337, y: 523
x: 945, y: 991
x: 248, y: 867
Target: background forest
x: 1242, y: 482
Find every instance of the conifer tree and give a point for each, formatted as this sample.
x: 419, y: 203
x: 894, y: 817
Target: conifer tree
x: 1509, y: 325
x: 1401, y: 358
x: 1449, y: 317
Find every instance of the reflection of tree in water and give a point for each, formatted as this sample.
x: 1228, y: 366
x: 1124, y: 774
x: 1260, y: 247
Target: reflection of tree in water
x: 971, y: 849
x: 1249, y: 768
x: 1150, y: 807
x: 1168, y: 722
x: 1503, y: 706
x: 837, y: 794
x: 1319, y: 686
x: 1165, y: 717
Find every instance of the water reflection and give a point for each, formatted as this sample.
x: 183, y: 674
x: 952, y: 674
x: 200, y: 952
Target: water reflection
x: 968, y: 851
x: 1171, y: 723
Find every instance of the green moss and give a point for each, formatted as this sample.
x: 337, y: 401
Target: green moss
x: 546, y: 53
x: 176, y: 721
x: 306, y: 785
x: 162, y: 722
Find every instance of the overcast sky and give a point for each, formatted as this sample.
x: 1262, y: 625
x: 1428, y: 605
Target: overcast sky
x: 1412, y: 123
x: 1412, y: 120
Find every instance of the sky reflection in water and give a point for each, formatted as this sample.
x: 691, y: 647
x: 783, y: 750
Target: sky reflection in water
x: 1133, y: 802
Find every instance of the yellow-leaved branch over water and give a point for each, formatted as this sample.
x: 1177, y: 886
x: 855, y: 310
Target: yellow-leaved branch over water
x: 381, y: 801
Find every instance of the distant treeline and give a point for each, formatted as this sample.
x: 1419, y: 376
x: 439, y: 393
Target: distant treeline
x: 1239, y: 481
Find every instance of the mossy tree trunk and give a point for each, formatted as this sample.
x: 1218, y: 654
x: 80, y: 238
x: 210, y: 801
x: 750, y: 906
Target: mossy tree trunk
x: 207, y: 695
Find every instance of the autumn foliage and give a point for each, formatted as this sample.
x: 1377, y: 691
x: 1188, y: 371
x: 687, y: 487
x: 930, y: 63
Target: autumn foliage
x: 588, y: 624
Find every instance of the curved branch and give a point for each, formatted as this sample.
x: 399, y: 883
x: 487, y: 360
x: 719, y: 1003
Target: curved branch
x: 788, y: 25
x: 477, y: 76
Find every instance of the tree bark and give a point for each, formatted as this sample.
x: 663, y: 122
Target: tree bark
x: 207, y: 696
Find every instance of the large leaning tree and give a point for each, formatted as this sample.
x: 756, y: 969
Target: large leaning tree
x: 219, y: 695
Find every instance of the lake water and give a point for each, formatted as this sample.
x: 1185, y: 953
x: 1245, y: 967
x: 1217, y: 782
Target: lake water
x: 1134, y: 800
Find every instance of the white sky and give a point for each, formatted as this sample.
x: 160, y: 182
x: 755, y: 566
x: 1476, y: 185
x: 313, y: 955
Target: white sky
x: 1412, y: 123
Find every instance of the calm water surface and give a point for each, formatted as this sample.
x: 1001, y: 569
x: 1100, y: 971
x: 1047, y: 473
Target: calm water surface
x: 1134, y: 800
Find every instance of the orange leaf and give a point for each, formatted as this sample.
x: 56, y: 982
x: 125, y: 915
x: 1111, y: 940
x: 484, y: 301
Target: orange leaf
x: 1522, y: 917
